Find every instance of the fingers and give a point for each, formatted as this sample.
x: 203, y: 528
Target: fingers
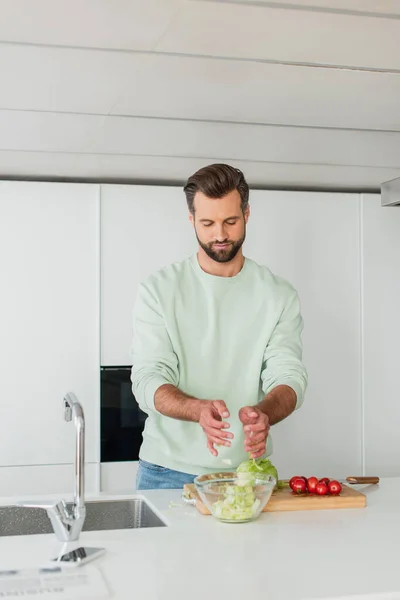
x: 211, y: 417
x: 216, y: 438
x: 209, y: 421
x: 211, y: 440
x: 221, y: 408
x: 256, y: 436
x: 251, y: 448
x: 217, y: 435
x: 256, y: 453
x: 213, y: 426
x: 211, y: 448
x: 248, y: 415
x: 261, y: 425
x: 254, y: 440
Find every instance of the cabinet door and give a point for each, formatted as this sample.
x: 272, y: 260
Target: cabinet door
x: 49, y: 320
x: 312, y: 239
x: 143, y: 228
x: 381, y: 333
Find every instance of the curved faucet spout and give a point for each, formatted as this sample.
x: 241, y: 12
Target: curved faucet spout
x: 67, y: 523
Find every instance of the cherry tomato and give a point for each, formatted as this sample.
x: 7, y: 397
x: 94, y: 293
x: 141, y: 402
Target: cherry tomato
x: 312, y: 483
x: 334, y: 487
x: 321, y: 489
x: 324, y: 480
x: 293, y: 479
x: 299, y: 486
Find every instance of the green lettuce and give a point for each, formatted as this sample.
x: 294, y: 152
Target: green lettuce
x: 239, y: 504
x: 257, y: 467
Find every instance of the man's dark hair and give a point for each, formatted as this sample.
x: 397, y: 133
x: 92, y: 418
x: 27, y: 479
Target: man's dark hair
x: 216, y: 181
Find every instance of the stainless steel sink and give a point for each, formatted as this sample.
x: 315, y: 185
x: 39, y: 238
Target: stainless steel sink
x: 100, y: 516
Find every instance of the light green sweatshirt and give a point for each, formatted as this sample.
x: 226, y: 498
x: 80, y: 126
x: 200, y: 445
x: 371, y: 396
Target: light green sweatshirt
x: 216, y: 338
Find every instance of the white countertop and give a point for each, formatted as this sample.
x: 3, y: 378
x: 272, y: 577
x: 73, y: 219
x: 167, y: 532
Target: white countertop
x: 346, y: 553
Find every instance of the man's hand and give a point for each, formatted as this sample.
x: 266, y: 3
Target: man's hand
x: 211, y: 415
x: 256, y: 426
x: 173, y: 403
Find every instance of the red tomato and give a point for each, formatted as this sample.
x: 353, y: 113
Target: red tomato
x: 321, y: 489
x: 299, y: 486
x: 324, y: 480
x: 293, y: 479
x: 334, y: 487
x: 312, y: 483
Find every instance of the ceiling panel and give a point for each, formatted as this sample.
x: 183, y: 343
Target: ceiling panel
x: 203, y: 88
x: 388, y: 7
x: 37, y: 164
x: 177, y: 170
x: 93, y: 23
x: 59, y: 79
x: 46, y: 131
x: 249, y: 142
x: 62, y: 79
x: 160, y: 137
x: 284, y: 35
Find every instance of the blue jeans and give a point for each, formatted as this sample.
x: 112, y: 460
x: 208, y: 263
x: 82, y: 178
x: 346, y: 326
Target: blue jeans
x: 154, y: 477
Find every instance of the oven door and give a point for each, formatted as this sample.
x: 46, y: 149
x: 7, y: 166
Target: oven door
x: 122, y: 421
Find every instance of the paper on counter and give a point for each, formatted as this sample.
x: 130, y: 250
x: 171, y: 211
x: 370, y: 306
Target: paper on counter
x: 54, y: 582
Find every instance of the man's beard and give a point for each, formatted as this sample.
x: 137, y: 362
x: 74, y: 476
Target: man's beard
x: 223, y: 255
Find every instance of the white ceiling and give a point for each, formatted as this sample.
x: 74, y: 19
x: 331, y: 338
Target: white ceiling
x: 300, y: 94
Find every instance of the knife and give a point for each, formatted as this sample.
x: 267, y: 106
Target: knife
x: 360, y: 480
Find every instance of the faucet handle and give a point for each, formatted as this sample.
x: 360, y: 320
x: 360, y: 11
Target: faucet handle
x: 55, y: 509
x: 46, y: 504
x: 65, y: 525
x: 67, y: 411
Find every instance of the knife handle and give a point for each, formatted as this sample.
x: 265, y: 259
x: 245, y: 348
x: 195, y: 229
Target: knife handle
x: 362, y: 480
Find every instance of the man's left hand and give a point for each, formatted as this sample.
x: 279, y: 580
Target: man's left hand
x: 256, y: 427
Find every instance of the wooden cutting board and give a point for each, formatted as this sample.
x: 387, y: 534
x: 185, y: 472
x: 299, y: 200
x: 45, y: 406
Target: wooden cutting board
x: 284, y: 499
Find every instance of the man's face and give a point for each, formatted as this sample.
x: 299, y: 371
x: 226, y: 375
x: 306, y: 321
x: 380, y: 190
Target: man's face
x: 220, y: 225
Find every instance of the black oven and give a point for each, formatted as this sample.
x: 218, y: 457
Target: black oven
x: 122, y: 421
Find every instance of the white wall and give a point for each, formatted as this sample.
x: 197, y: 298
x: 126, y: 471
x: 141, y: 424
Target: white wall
x: 381, y: 333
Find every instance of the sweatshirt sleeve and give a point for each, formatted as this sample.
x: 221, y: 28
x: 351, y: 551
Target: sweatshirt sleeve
x: 154, y: 362
x: 282, y: 360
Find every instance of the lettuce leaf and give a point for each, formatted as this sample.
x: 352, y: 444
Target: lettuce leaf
x: 259, y: 467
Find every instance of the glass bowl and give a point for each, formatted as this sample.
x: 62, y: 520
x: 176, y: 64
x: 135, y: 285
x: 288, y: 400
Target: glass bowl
x: 233, y: 497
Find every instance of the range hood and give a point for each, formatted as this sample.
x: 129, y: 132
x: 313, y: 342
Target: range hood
x: 390, y: 192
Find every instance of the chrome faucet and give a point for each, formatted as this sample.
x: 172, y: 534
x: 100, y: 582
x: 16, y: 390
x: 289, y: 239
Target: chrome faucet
x: 73, y: 408
x: 68, y: 522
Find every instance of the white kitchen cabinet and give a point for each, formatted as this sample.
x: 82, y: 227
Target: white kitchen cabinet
x: 41, y: 480
x: 312, y: 239
x: 143, y: 228
x: 381, y: 332
x: 119, y: 476
x: 49, y: 323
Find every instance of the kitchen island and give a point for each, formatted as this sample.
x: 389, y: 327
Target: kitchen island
x: 345, y: 553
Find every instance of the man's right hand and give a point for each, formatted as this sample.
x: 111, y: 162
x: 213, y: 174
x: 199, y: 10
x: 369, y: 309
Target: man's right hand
x: 210, y: 419
x: 173, y: 403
